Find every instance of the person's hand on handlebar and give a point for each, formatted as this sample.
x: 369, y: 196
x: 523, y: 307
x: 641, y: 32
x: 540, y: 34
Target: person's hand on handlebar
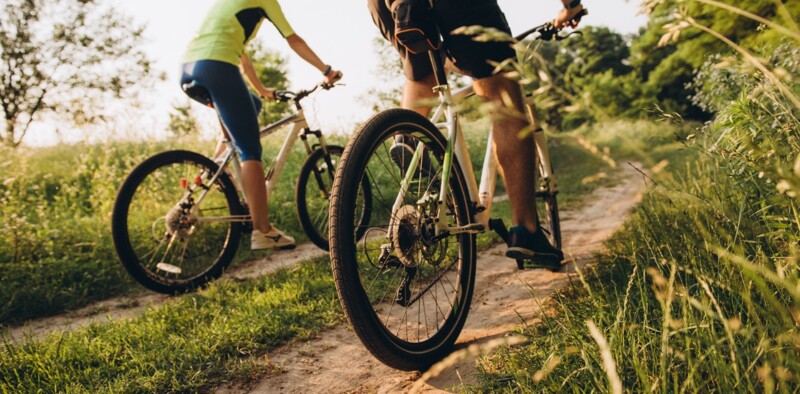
x: 566, y: 17
x: 267, y: 94
x: 331, y: 78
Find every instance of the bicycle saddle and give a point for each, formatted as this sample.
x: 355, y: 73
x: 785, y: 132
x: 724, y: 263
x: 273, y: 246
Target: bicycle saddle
x: 198, y: 93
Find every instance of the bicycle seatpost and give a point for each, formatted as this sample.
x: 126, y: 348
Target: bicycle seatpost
x: 438, y: 67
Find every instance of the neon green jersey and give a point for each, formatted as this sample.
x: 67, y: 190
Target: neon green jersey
x: 230, y: 25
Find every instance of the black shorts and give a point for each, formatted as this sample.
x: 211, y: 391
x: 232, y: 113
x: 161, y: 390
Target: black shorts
x: 470, y: 56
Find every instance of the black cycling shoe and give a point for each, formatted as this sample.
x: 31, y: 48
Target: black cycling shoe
x: 402, y: 151
x: 533, y: 249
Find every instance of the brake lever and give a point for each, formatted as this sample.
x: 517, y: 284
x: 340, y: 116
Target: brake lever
x: 329, y: 86
x: 284, y: 95
x: 559, y: 37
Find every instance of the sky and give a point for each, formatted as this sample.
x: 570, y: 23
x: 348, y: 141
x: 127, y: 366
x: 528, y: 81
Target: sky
x: 341, y: 32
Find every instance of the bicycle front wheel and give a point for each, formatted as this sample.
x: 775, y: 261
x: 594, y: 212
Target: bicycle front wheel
x: 313, y: 195
x: 405, y: 288
x: 546, y: 209
x: 174, y: 230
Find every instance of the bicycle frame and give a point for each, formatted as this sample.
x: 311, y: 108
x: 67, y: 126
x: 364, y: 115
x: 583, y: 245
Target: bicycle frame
x: 445, y: 118
x: 300, y: 129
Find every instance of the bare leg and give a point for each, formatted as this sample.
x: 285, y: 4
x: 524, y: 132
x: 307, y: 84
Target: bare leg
x: 416, y: 91
x: 255, y: 192
x: 220, y: 149
x: 516, y: 155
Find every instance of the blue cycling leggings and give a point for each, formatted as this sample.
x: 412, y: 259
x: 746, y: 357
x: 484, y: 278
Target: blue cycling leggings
x: 236, y: 105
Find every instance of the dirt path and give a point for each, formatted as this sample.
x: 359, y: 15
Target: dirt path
x: 504, y: 298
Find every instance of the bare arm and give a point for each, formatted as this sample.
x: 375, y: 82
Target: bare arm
x: 250, y: 75
x: 565, y: 16
x: 299, y: 46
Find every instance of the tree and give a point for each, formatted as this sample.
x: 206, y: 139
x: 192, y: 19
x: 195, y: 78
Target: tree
x: 388, y: 78
x: 585, y: 78
x: 596, y: 51
x: 182, y: 121
x: 669, y: 70
x: 64, y: 57
x: 271, y: 70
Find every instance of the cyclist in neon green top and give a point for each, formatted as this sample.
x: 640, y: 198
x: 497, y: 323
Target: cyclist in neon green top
x: 213, y: 60
x: 230, y: 25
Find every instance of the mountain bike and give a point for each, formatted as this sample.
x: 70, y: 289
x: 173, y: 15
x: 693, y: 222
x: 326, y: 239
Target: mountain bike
x: 406, y: 286
x: 179, y: 215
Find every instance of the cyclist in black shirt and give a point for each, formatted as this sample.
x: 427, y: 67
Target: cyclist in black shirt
x: 472, y: 58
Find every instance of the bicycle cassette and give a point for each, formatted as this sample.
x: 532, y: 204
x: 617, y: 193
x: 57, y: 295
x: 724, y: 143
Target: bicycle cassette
x: 406, y: 234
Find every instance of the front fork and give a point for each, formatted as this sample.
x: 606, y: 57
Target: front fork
x: 329, y: 165
x: 454, y: 142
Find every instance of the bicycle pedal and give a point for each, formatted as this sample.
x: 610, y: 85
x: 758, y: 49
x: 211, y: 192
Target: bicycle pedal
x: 527, y: 264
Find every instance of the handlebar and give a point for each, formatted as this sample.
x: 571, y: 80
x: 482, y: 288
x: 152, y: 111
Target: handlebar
x: 548, y: 32
x: 286, y: 96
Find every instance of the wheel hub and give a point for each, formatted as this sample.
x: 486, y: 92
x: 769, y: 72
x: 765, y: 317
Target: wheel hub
x: 180, y: 221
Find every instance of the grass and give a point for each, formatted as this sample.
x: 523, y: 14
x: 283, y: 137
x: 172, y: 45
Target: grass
x: 214, y: 336
x: 188, y: 346
x: 698, y: 293
x: 56, y: 252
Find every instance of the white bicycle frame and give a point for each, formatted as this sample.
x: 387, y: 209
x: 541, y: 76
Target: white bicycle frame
x: 298, y: 120
x: 445, y: 117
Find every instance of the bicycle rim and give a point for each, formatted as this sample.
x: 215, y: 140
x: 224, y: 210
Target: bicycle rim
x: 406, y: 292
x: 313, y: 195
x: 165, y: 234
x: 547, y: 210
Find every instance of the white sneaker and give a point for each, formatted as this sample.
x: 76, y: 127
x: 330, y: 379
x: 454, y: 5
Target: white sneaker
x: 275, y: 239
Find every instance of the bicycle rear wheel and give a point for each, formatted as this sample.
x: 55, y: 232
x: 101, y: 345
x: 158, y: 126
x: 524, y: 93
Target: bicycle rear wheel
x: 312, y: 195
x: 168, y: 236
x: 547, y: 206
x: 546, y: 210
x: 405, y: 291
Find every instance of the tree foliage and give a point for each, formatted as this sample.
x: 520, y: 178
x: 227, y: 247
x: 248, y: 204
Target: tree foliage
x: 585, y: 78
x: 602, y: 74
x: 272, y: 72
x: 669, y: 70
x: 64, y: 57
x: 182, y: 121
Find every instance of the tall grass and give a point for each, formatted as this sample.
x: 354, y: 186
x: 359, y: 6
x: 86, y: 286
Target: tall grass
x: 696, y: 294
x: 191, y: 345
x: 699, y: 291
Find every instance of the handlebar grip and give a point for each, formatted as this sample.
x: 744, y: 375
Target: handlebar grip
x: 283, y: 95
